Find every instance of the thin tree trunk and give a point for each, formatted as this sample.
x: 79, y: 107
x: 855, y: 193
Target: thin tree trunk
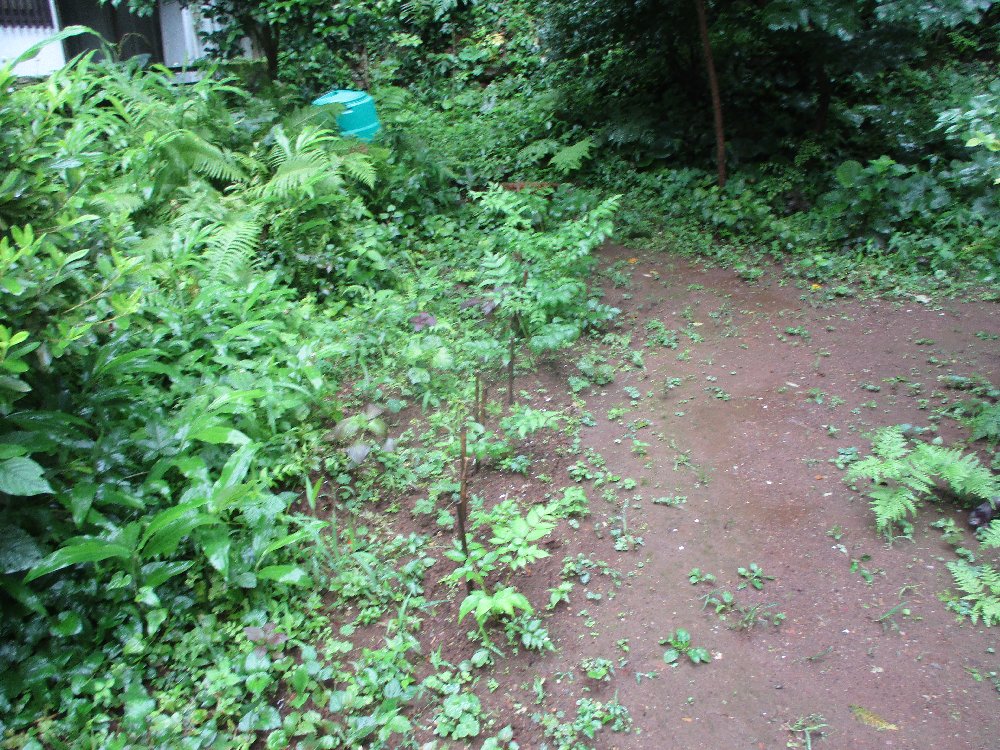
x: 713, y: 85
x: 463, y: 501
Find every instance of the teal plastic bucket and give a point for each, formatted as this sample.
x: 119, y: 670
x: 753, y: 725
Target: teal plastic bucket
x: 359, y: 119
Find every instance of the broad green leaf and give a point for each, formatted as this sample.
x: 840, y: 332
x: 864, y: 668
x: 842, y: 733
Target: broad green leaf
x: 418, y: 375
x: 16, y: 385
x: 261, y: 719
x: 138, y: 706
x: 165, y: 518
x: 66, y: 624
x: 300, y: 679
x: 848, y: 173
x: 89, y: 551
x: 22, y: 594
x: 157, y: 573
x: 215, y: 543
x: 22, y: 476
x: 442, y: 359
x: 166, y: 540
x: 699, y: 655
x: 81, y: 499
x: 218, y: 435
x: 293, y: 575
x: 469, y: 603
x: 236, y: 468
x: 9, y: 450
x: 285, y: 541
x: 154, y: 619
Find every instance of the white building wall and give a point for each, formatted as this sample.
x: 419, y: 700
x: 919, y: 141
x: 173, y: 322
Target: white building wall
x: 181, y: 44
x: 14, y: 41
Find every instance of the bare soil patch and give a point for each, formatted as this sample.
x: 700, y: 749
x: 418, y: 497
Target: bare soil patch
x: 745, y: 435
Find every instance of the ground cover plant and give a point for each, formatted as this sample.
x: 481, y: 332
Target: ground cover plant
x: 314, y: 443
x: 189, y: 277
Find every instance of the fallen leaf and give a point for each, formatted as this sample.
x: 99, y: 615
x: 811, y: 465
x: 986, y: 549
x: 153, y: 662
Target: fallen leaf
x: 872, y: 719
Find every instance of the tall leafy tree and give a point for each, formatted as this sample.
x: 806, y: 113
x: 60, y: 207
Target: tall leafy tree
x: 780, y: 65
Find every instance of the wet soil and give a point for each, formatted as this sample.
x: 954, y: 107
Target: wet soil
x: 745, y: 438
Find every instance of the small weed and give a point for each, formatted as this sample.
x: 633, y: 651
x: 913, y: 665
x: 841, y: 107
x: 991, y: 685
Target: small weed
x: 680, y: 645
x: 754, y: 576
x: 597, y: 668
x: 696, y: 576
x: 674, y: 501
x: 845, y: 457
x: 617, y: 412
x: 887, y: 619
x: 660, y: 335
x: 807, y: 726
x: 559, y: 594
x: 750, y: 616
x: 857, y: 566
x: 950, y: 531
x: 538, y: 686
x: 670, y: 383
x: 721, y: 601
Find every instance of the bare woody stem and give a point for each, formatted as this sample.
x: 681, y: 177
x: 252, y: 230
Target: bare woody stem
x: 463, y: 501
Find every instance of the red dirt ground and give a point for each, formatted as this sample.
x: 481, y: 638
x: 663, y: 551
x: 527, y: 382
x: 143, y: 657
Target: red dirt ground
x: 772, y: 497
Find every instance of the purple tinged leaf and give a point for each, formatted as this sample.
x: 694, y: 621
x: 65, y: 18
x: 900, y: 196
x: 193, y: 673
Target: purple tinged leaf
x: 423, y: 320
x: 254, y: 634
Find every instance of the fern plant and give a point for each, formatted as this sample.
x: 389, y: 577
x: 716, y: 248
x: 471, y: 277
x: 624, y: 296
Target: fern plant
x: 979, y: 583
x: 904, y: 475
x: 571, y: 158
x: 538, y: 278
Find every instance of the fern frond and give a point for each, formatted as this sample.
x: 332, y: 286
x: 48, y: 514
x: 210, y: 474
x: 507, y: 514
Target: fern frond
x: 989, y: 536
x: 891, y: 505
x: 873, y: 468
x: 571, y: 158
x: 203, y: 157
x: 232, y: 245
x: 890, y: 444
x: 113, y: 202
x: 981, y: 585
x: 633, y: 130
x: 295, y: 176
x: 497, y: 270
x: 964, y: 474
x: 538, y: 150
x: 359, y: 167
x: 987, y: 424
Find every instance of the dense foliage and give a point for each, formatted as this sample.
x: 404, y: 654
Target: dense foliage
x: 213, y: 305
x: 188, y: 279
